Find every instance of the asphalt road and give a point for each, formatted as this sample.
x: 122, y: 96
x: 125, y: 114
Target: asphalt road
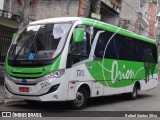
x: 146, y: 101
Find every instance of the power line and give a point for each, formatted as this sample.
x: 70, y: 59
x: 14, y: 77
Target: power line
x: 104, y: 9
x: 130, y: 6
x: 135, y: 10
x: 131, y: 23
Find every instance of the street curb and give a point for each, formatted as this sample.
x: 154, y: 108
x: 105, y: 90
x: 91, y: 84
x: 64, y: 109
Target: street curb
x: 13, y: 101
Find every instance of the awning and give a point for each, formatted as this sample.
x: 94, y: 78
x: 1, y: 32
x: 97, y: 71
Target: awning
x: 9, y: 23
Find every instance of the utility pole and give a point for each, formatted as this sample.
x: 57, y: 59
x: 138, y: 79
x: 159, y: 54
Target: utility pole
x: 123, y: 23
x: 98, y: 6
x: 24, y: 15
x: 87, y: 8
x: 138, y: 24
x: 84, y: 8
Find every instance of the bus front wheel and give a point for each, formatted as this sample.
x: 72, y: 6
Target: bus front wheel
x: 81, y: 99
x: 133, y: 95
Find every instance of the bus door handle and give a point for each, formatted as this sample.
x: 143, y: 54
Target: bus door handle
x: 89, y: 67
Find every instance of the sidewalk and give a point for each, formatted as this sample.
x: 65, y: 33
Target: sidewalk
x: 5, y: 100
x: 2, y: 96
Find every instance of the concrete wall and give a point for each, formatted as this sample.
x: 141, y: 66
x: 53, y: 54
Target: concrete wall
x: 110, y: 4
x: 1, y: 4
x: 109, y: 12
x: 144, y: 20
x: 7, y: 5
x: 42, y: 9
x: 111, y: 19
x: 56, y: 9
x: 130, y: 14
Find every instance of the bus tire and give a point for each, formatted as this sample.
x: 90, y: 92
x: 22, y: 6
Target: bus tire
x: 133, y: 95
x: 81, y: 99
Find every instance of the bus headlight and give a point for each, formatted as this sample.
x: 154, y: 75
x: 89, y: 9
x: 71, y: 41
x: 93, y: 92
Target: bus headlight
x: 55, y: 74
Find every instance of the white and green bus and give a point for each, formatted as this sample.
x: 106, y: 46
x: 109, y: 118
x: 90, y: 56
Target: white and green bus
x: 73, y: 59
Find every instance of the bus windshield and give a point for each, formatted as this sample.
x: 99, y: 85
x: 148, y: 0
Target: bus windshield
x: 39, y: 42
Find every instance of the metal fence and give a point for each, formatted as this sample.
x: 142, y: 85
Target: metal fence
x: 5, y: 41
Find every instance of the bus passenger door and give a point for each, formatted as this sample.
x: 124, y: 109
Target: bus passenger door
x: 81, y: 64
x: 97, y: 80
x: 95, y: 69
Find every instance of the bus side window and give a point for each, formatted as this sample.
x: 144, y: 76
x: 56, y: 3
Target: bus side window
x: 140, y: 51
x: 100, y: 46
x: 150, y: 51
x: 128, y: 44
x: 114, y: 46
x: 154, y: 52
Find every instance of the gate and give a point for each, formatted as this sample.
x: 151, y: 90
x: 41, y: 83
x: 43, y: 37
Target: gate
x: 5, y: 41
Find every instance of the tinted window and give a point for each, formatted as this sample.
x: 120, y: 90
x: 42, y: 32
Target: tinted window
x: 114, y: 47
x: 101, y: 44
x: 128, y: 48
x: 125, y: 48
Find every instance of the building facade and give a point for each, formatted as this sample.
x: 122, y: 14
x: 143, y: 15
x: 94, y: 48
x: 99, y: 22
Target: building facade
x: 41, y: 9
x: 152, y: 10
x: 105, y: 10
x: 8, y: 26
x: 157, y: 23
x: 7, y: 5
x: 1, y: 4
x: 157, y: 29
x: 110, y: 11
x: 128, y: 14
x: 136, y: 17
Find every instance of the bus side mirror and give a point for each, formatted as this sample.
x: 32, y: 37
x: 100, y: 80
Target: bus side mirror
x: 13, y: 36
x: 78, y: 35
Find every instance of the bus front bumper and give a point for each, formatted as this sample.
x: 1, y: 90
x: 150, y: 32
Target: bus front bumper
x: 53, y: 91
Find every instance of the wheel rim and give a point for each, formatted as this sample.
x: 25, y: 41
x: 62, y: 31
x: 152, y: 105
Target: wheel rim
x: 79, y: 99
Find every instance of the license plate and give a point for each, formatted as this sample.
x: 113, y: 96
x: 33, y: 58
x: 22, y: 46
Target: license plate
x: 23, y: 89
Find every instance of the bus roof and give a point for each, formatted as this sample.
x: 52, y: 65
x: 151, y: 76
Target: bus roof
x: 55, y: 20
x: 95, y: 23
x: 113, y: 28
